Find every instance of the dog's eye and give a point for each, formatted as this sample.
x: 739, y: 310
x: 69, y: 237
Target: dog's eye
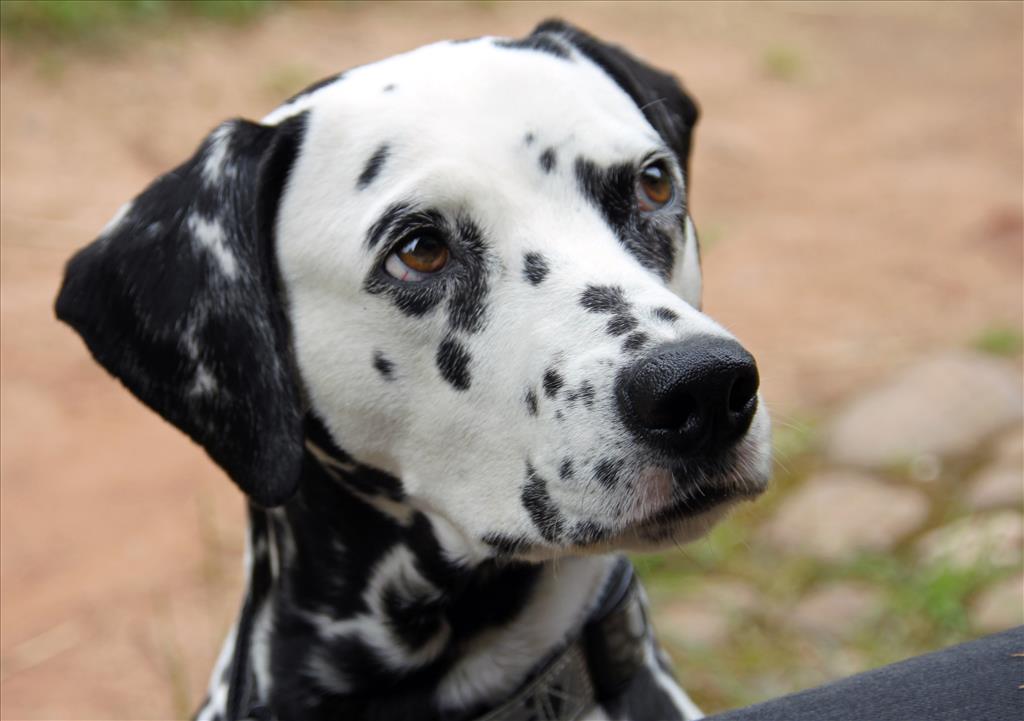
x: 416, y: 258
x: 653, y: 186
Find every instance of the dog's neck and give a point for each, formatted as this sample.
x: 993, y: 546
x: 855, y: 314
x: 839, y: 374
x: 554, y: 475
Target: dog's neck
x: 357, y: 607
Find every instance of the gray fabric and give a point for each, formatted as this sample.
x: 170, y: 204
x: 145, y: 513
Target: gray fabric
x: 976, y: 681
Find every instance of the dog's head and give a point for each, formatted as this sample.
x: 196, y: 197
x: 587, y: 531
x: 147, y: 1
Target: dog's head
x: 474, y: 265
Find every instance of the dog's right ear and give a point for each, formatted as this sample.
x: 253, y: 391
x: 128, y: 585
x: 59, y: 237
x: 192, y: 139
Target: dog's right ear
x: 178, y: 298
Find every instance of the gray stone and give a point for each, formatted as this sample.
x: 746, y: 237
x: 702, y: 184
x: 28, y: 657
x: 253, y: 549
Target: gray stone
x: 836, y: 514
x: 1010, y: 445
x: 999, y: 484
x: 943, y: 406
x: 993, y: 539
x: 838, y: 610
x: 999, y: 607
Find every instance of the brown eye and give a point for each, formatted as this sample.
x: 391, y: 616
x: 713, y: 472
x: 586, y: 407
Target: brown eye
x: 417, y: 258
x: 653, y: 186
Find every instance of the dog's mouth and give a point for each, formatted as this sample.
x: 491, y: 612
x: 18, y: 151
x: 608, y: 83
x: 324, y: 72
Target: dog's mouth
x: 683, y: 503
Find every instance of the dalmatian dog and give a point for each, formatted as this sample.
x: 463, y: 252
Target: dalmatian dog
x: 439, y: 319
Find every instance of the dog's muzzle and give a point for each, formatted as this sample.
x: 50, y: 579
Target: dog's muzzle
x: 690, y: 399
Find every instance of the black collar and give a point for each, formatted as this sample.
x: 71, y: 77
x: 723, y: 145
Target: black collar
x: 593, y: 667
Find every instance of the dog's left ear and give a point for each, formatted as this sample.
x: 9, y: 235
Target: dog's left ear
x: 178, y: 299
x: 667, y: 107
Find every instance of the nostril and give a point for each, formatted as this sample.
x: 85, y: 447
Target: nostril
x: 742, y: 392
x: 692, y: 396
x: 674, y: 412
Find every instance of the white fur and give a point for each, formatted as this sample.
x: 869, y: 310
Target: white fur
x: 467, y: 154
x: 209, y: 235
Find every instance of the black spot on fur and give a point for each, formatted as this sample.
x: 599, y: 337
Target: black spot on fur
x: 373, y: 481
x: 531, y: 402
x: 621, y: 323
x: 559, y: 416
x: 315, y: 86
x: 507, y: 545
x: 552, y: 382
x: 385, y: 222
x: 542, y: 43
x: 390, y: 87
x: 607, y: 472
x: 529, y: 138
x: 666, y: 314
x: 414, y: 620
x: 611, y: 191
x: 565, y: 469
x: 548, y: 159
x: 586, y: 533
x: 543, y: 512
x: 634, y: 341
x: 383, y: 365
x: 586, y: 393
x: 453, y: 362
x: 373, y: 166
x: 467, y: 304
x: 604, y: 299
x: 535, y: 268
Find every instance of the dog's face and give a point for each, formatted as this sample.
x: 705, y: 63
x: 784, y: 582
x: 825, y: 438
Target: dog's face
x: 475, y: 265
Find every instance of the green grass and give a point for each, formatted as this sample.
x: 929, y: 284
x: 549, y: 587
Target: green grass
x: 782, y: 63
x: 71, y: 21
x: 921, y: 605
x: 1000, y: 341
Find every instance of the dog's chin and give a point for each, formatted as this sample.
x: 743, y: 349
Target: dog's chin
x: 678, y: 523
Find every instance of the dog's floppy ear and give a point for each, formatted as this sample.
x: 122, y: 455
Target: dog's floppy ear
x: 667, y: 107
x: 177, y: 298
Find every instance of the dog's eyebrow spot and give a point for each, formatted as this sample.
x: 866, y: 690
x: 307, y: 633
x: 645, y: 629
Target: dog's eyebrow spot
x: 389, y: 87
x: 373, y: 166
x: 548, y: 160
x: 529, y: 138
x: 666, y: 314
x: 607, y: 472
x: 535, y: 268
x: 543, y: 43
x: 543, y: 512
x: 621, y: 323
x: 552, y: 382
x: 604, y: 299
x: 634, y: 341
x: 530, y: 399
x: 384, y: 223
x: 565, y: 469
x: 453, y: 362
x: 385, y: 367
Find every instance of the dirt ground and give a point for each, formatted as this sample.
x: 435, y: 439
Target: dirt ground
x: 858, y: 183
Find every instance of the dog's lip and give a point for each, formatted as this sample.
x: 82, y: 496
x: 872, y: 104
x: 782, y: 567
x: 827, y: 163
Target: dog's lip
x: 697, y: 501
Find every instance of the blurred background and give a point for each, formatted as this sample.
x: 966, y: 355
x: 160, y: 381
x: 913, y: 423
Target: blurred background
x: 858, y: 186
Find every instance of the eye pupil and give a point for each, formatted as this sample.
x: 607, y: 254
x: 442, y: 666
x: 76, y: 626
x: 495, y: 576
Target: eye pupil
x: 424, y: 254
x: 655, y: 186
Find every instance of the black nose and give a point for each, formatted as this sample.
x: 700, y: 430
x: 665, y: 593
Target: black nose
x: 692, y: 396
